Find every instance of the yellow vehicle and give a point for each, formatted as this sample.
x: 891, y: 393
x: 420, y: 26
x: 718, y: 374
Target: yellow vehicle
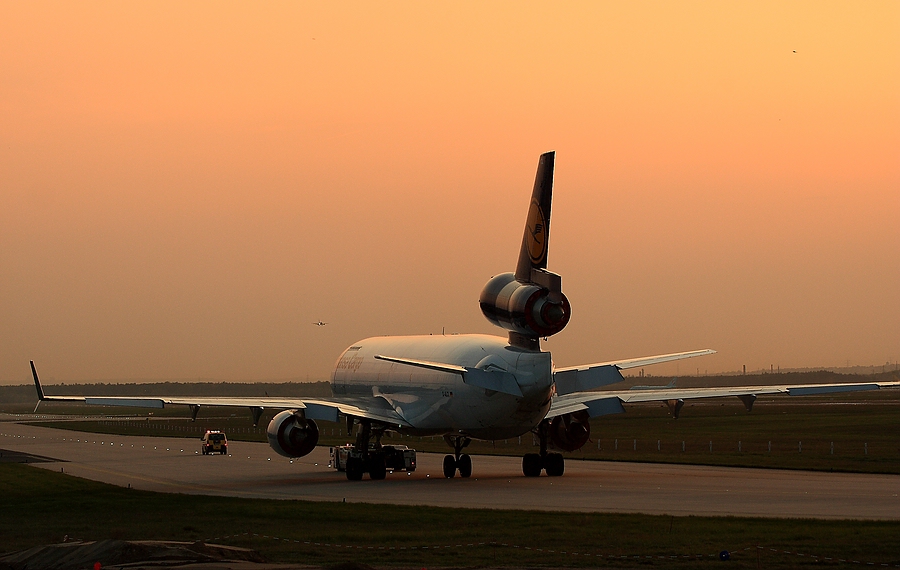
x: 214, y: 441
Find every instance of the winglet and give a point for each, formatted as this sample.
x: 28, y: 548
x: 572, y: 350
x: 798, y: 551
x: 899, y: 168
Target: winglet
x: 37, y: 383
x: 535, y: 241
x: 37, y: 386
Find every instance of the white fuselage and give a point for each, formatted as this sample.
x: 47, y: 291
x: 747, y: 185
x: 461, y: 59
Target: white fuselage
x: 437, y: 402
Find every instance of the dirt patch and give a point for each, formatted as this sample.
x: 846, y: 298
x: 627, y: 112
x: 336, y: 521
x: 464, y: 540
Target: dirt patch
x: 7, y: 456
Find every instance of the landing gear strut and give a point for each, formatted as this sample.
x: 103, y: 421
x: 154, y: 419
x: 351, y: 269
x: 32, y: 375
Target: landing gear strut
x: 365, y: 460
x: 533, y: 463
x: 459, y: 460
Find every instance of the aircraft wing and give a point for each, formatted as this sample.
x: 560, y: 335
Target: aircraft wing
x: 573, y: 379
x: 328, y: 409
x: 611, y: 402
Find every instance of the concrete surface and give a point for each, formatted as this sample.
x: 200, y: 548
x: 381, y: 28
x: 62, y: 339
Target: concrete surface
x: 253, y: 470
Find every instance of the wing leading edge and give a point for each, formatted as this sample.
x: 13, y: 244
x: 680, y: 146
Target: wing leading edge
x: 327, y: 409
x: 611, y: 402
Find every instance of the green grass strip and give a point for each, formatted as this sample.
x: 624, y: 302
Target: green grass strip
x: 38, y: 506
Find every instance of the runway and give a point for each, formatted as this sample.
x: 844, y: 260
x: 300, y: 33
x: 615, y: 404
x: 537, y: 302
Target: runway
x: 253, y: 470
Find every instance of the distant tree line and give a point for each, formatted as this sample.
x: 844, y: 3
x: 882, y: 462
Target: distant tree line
x: 26, y: 392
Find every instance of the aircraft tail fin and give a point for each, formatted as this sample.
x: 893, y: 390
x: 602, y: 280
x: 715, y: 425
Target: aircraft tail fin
x: 535, y: 241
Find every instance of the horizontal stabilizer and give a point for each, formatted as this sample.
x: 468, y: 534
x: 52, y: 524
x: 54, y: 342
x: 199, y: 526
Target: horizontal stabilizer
x: 586, y: 378
x: 493, y: 380
x: 439, y: 366
x: 489, y: 380
x: 594, y: 403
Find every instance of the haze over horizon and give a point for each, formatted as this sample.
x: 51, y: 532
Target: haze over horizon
x: 186, y: 189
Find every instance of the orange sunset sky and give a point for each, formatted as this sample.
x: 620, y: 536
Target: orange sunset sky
x: 186, y: 187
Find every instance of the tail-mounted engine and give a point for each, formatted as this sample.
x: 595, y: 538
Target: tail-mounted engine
x: 292, y: 435
x: 533, y: 309
x: 570, y: 432
x: 529, y: 303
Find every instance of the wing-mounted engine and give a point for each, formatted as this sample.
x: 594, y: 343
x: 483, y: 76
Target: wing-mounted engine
x: 292, y: 435
x: 570, y: 432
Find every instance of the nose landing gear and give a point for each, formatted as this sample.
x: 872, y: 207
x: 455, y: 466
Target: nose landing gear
x: 365, y: 460
x: 459, y: 460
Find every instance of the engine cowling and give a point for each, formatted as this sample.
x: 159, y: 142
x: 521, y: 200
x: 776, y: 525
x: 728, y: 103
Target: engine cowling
x: 526, y: 308
x: 570, y: 432
x: 292, y: 435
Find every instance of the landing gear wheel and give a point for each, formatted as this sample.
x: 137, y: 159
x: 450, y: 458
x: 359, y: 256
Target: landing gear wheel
x: 531, y: 465
x: 555, y: 464
x: 354, y: 468
x: 464, y: 465
x: 377, y: 469
x: 449, y: 466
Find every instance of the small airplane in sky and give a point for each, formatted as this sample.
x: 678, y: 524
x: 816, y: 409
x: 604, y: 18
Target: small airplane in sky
x: 320, y: 323
x: 470, y: 386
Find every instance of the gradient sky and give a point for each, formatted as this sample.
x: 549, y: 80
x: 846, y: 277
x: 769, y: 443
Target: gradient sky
x: 186, y: 187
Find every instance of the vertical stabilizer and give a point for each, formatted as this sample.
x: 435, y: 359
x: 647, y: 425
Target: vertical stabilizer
x: 536, y: 240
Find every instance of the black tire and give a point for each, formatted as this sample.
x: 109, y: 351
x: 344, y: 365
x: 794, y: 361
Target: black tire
x: 464, y: 465
x: 554, y: 464
x: 531, y: 465
x: 449, y: 466
x: 377, y: 467
x: 354, y: 468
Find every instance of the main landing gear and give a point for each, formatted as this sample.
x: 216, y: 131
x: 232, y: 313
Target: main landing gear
x: 364, y: 460
x: 459, y: 460
x: 533, y: 463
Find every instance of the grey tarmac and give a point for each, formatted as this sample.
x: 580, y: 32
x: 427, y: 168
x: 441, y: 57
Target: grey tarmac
x: 253, y: 470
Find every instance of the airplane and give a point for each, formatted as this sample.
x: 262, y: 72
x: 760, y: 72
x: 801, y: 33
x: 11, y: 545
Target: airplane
x: 470, y: 386
x: 320, y: 323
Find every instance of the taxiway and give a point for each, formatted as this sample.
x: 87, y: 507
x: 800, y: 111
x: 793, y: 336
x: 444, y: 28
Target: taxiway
x: 253, y: 470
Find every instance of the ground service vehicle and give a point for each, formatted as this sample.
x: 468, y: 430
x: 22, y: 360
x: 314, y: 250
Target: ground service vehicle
x: 214, y: 441
x: 396, y: 457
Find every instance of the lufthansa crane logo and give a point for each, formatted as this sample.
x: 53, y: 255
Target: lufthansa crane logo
x: 536, y: 233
